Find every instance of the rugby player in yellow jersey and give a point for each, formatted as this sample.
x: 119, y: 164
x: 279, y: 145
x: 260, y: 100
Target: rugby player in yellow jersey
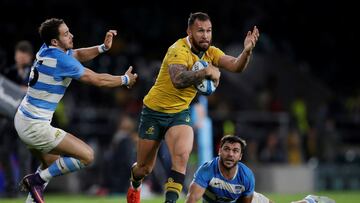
x: 165, y: 114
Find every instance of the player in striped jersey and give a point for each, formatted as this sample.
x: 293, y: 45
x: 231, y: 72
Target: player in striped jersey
x: 56, y: 64
x: 225, y: 178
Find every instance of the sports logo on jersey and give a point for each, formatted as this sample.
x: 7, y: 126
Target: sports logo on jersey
x: 150, y: 130
x: 187, y: 119
x: 239, y: 189
x: 57, y: 133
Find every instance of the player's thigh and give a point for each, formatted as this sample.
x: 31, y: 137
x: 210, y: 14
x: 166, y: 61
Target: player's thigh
x: 74, y: 147
x: 151, y: 132
x: 179, y: 139
x: 38, y: 134
x: 152, y: 124
x: 146, y: 152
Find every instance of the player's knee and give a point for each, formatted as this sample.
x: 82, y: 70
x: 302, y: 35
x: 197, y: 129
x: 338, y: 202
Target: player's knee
x: 142, y: 170
x: 182, y: 158
x: 147, y: 170
x: 89, y: 157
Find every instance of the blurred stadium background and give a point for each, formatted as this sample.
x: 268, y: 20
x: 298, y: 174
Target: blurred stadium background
x: 297, y: 104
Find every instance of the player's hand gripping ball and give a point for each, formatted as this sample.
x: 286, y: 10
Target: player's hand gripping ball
x: 206, y: 87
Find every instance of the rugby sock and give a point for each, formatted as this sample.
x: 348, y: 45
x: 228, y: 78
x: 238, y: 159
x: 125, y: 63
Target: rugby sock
x: 310, y: 200
x: 60, y: 167
x: 173, y: 186
x: 135, y: 181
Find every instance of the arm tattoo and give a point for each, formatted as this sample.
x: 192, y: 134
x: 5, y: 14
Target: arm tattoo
x: 182, y: 78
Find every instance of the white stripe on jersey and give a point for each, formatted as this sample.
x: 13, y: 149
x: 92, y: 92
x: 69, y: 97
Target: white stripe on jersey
x: 50, y: 62
x: 43, y: 95
x: 223, y: 185
x: 50, y: 80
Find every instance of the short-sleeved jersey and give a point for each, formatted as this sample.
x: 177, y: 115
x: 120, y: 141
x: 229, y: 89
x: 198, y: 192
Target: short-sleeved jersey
x: 163, y: 96
x: 50, y: 75
x: 220, y: 189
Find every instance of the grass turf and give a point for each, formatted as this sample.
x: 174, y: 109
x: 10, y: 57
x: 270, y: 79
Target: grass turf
x: 338, y: 196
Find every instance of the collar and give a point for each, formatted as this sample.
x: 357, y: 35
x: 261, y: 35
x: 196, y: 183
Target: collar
x: 237, y: 168
x: 200, y: 54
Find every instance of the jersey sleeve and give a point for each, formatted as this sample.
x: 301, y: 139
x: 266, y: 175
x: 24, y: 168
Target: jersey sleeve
x: 250, y: 183
x: 69, y: 67
x: 177, y: 55
x: 216, y: 53
x: 202, y: 176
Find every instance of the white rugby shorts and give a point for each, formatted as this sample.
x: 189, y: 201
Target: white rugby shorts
x: 259, y: 198
x: 38, y: 134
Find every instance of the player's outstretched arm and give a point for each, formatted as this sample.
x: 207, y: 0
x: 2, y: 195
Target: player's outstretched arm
x: 88, y: 53
x: 195, y: 193
x: 240, y: 63
x: 107, y: 80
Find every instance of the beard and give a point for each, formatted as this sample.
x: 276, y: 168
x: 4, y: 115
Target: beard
x: 226, y: 165
x: 70, y: 45
x: 66, y: 46
x: 202, y: 45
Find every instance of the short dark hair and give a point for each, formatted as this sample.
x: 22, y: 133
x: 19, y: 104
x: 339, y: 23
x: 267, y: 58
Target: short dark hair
x: 49, y: 30
x: 198, y: 15
x: 233, y: 139
x: 24, y: 46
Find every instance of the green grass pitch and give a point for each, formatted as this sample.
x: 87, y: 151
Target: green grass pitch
x: 338, y: 196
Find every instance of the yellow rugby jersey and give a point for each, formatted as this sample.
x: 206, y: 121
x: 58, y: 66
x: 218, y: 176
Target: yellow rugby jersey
x: 163, y: 96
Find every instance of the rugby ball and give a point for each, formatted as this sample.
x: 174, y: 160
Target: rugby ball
x: 206, y: 87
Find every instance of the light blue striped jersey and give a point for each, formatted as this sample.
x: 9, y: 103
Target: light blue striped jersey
x: 51, y: 74
x: 220, y: 189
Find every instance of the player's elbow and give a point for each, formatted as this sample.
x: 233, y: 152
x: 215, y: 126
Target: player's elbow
x: 178, y: 85
x: 96, y: 81
x: 100, y: 83
x: 236, y: 68
x: 92, y: 78
x: 180, y: 82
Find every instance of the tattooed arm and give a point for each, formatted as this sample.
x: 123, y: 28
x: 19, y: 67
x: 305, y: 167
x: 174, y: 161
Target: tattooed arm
x: 182, y: 78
